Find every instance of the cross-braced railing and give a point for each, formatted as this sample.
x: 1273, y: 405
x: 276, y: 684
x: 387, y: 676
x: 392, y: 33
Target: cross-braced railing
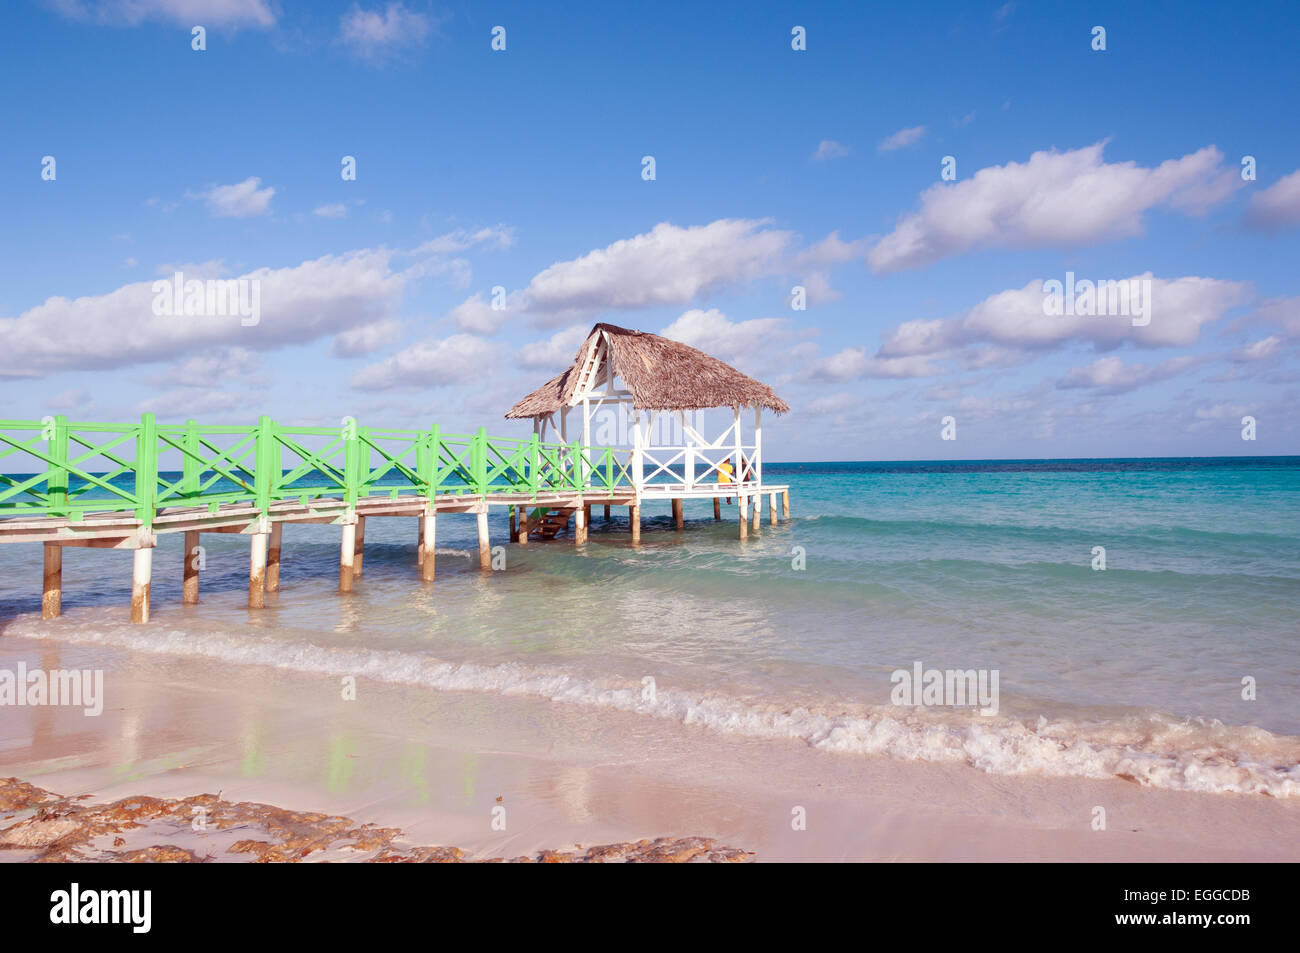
x: 53, y: 467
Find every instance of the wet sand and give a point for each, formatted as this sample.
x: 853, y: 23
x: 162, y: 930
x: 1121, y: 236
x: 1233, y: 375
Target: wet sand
x: 514, y: 778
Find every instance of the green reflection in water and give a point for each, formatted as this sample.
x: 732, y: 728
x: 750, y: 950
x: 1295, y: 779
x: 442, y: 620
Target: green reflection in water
x: 252, y: 760
x: 412, y: 768
x: 342, y: 754
x: 176, y: 761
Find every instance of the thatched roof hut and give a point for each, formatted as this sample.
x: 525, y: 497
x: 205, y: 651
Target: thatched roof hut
x: 660, y: 374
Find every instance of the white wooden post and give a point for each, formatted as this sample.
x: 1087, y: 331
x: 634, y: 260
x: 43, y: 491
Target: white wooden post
x: 484, y: 543
x: 740, y: 452
x: 586, y: 441
x: 257, y: 569
x: 758, y: 446
x: 347, y: 552
x: 141, y: 574
x: 689, y: 464
x: 564, y: 437
x: 428, y: 543
x: 579, y: 525
x: 359, y: 549
x: 273, y: 557
x: 638, y: 461
x: 52, y: 593
x: 190, y: 586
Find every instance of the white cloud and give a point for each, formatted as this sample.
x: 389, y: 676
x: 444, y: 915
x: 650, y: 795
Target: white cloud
x: 196, y: 402
x: 556, y: 352
x: 1280, y: 313
x: 227, y: 13
x: 1110, y: 375
x: 902, y: 139
x: 1278, y: 205
x: 373, y: 35
x: 1056, y: 198
x: 1260, y: 350
x: 241, y: 200
x: 475, y: 314
x: 669, y: 265
x: 1179, y: 308
x: 855, y: 362
x: 984, y: 356
x: 1209, y: 415
x: 332, y: 210
x: 430, y: 363
x: 299, y: 304
x: 831, y: 250
x: 713, y: 333
x: 818, y: 289
x: 830, y: 149
x: 367, y: 338
x: 831, y: 404
x: 204, y: 370
x: 492, y: 237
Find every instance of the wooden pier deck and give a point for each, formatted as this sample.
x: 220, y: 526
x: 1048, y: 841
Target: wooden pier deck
x: 110, y: 486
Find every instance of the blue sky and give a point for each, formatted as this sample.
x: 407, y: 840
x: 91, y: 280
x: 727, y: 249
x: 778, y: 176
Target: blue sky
x: 522, y: 169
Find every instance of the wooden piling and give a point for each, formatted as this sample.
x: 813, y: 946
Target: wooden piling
x: 419, y: 544
x: 678, y: 519
x: 756, y: 503
x: 514, y: 530
x: 190, y: 571
x: 717, y: 508
x: 771, y: 509
x: 346, y: 554
x: 484, y: 544
x: 522, y: 538
x: 606, y: 512
x: 360, y: 551
x: 744, y: 516
x: 428, y: 536
x: 273, y: 558
x: 580, y: 526
x: 634, y: 517
x: 785, y: 504
x: 141, y: 574
x: 257, y: 570
x: 52, y: 586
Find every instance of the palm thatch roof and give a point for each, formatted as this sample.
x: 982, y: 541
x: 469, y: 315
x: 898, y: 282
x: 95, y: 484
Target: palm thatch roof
x: 661, y: 374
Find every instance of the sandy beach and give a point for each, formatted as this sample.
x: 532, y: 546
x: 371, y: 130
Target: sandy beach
x: 433, y: 433
x: 442, y: 767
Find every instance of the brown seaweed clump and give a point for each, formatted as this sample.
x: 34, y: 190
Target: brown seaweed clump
x: 42, y: 827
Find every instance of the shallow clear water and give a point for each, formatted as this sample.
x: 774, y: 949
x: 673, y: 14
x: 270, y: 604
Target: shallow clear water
x: 1135, y: 670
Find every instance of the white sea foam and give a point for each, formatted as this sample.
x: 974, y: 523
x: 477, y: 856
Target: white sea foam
x: 1152, y: 749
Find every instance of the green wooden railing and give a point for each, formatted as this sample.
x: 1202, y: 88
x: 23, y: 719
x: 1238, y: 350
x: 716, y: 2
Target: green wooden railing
x: 140, y: 468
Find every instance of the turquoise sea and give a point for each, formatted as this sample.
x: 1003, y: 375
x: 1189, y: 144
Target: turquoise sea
x: 1139, y: 669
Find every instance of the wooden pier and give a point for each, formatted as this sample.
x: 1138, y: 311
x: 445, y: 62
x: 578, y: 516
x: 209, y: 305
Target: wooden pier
x: 121, y: 486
